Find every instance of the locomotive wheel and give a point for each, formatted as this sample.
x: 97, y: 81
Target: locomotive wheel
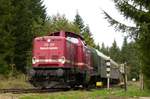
x: 40, y: 85
x: 86, y: 86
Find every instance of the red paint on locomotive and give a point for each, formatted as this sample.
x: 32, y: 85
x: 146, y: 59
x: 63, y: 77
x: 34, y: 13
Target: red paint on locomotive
x: 48, y: 51
x: 61, y: 49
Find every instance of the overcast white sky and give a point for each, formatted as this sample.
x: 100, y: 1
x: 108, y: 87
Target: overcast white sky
x: 90, y: 11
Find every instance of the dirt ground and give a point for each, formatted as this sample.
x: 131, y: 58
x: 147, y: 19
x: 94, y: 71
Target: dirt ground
x: 16, y: 96
x: 8, y: 96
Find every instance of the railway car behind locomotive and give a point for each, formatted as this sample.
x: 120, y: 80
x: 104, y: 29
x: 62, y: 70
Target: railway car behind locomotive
x: 62, y: 58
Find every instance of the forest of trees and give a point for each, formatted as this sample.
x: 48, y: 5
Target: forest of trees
x: 126, y: 54
x: 19, y: 18
x: 22, y: 20
x: 139, y: 12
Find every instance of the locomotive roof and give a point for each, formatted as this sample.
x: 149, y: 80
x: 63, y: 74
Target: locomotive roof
x: 67, y: 34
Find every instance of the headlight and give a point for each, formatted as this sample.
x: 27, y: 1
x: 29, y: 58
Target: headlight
x: 37, y: 60
x: 33, y: 60
x: 48, y: 40
x: 62, y: 60
x: 46, y: 60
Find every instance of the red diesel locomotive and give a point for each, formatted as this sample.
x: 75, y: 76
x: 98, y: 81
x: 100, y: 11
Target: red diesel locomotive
x: 63, y: 58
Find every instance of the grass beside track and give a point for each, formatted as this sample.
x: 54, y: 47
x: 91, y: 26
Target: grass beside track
x: 133, y: 92
x: 114, y: 93
x: 19, y: 81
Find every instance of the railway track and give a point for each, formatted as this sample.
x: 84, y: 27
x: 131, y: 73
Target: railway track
x: 19, y: 91
x: 37, y: 90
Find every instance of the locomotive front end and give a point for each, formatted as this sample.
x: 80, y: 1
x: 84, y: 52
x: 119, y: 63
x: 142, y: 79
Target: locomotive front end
x: 48, y: 61
x: 48, y: 52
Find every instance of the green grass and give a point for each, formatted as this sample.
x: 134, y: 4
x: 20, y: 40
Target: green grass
x: 19, y: 81
x: 62, y: 95
x: 133, y: 91
x: 114, y: 93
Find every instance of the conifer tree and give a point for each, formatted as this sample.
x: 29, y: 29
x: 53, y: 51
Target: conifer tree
x: 139, y: 12
x: 6, y: 39
x: 79, y: 22
x: 27, y: 13
x: 114, y: 52
x: 84, y: 30
x: 104, y: 49
x: 98, y: 47
x: 133, y: 61
x: 60, y: 22
x: 88, y: 37
x: 124, y: 51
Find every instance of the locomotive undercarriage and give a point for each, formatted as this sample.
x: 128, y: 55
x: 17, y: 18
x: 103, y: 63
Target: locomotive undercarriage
x: 55, y: 77
x: 64, y: 77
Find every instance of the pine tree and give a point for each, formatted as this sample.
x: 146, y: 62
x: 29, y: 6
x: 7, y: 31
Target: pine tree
x: 79, y: 22
x: 84, y: 30
x: 124, y: 51
x: 60, y: 22
x: 88, y: 37
x: 139, y: 12
x: 114, y: 52
x: 129, y: 54
x: 104, y: 49
x: 6, y: 39
x: 134, y: 61
x: 98, y: 47
x: 27, y: 12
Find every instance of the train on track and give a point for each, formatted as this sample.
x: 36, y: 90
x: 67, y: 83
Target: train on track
x: 63, y: 58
